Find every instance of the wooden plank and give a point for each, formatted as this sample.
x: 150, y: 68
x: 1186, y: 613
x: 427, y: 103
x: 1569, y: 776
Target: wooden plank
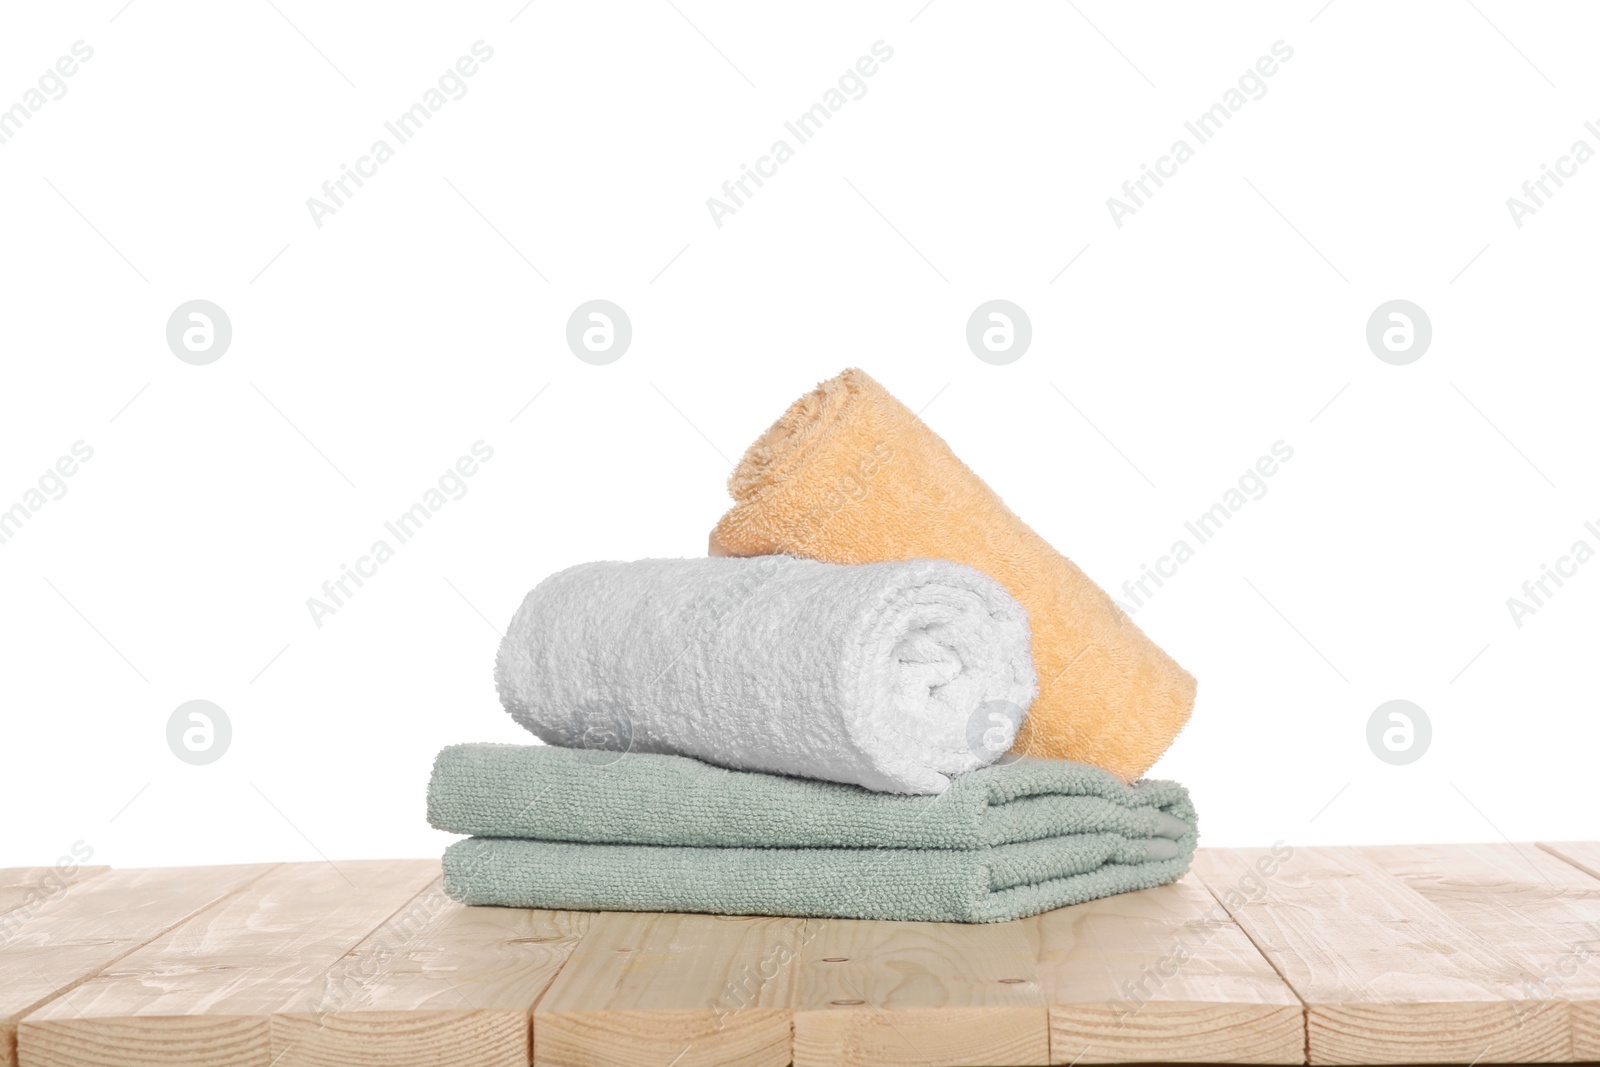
x: 28, y: 888
x: 1160, y: 976
x: 1402, y: 954
x: 1386, y: 976
x: 1536, y: 908
x: 204, y: 992
x: 92, y: 925
x: 882, y: 994
x: 687, y: 990
x: 437, y: 984
x: 1584, y: 855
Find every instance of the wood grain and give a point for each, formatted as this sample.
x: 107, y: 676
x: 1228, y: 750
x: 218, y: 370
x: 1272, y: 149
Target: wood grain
x: 1386, y: 976
x: 1584, y: 855
x: 28, y: 888
x: 437, y: 984
x: 882, y: 994
x: 1394, y: 954
x: 204, y: 992
x: 1538, y: 910
x: 1160, y: 976
x: 687, y: 990
x: 93, y: 924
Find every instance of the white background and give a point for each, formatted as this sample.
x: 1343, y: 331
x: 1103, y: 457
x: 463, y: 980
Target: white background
x: 368, y: 354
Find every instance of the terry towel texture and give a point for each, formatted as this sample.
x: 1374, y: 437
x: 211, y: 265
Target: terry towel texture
x: 564, y: 829
x: 850, y: 475
x: 893, y: 676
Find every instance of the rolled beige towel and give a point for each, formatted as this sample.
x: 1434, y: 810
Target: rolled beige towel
x: 850, y: 475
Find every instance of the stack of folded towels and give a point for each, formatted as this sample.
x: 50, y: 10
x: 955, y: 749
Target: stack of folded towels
x: 881, y: 696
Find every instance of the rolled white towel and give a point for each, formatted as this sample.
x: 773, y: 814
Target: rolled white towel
x: 893, y: 676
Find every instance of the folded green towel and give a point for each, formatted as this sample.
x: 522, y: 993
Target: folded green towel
x: 561, y: 828
x: 563, y: 794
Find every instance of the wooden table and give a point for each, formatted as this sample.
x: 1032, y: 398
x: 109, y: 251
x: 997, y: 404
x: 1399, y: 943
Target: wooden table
x: 1401, y: 954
